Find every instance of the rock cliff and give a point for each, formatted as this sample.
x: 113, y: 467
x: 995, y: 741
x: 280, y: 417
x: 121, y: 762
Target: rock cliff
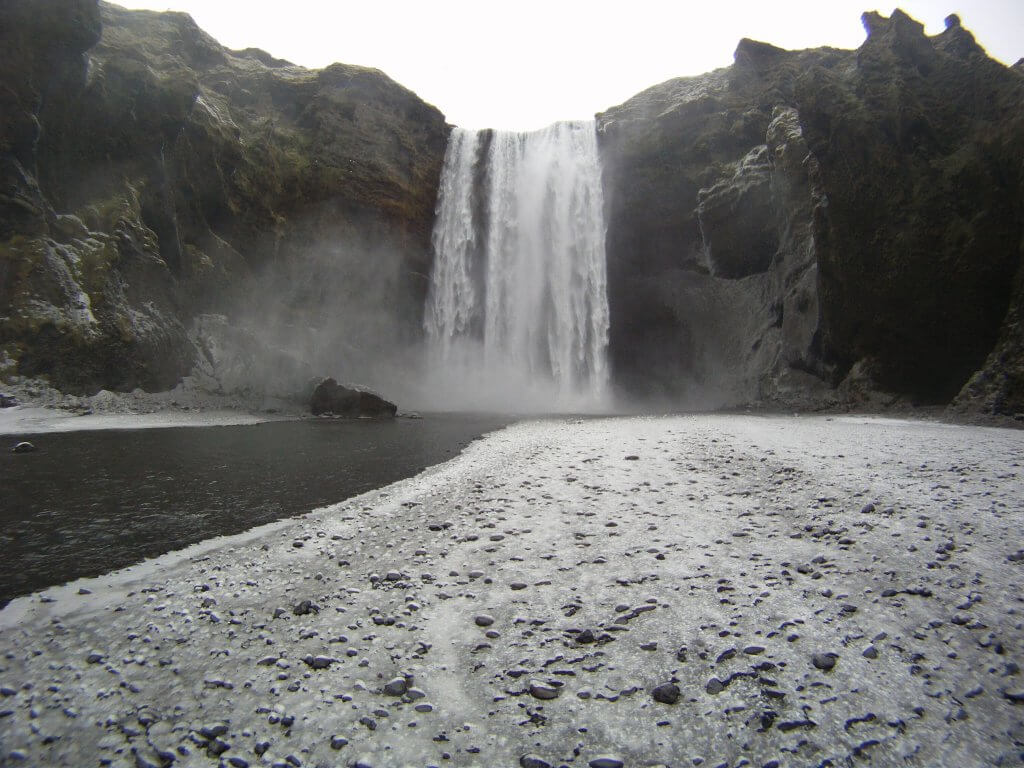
x: 149, y: 176
x: 806, y: 227
x: 802, y: 228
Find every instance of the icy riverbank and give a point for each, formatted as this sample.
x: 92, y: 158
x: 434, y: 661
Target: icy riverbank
x: 654, y: 590
x: 43, y: 409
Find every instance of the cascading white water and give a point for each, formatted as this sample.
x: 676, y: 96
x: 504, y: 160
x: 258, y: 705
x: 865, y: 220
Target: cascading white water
x: 517, y: 312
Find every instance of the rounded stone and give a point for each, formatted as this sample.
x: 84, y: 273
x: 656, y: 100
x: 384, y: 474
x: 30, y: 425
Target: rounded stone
x: 542, y: 690
x: 337, y: 742
x: 666, y: 693
x: 824, y: 661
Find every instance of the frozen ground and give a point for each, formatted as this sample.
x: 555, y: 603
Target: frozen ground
x: 44, y: 409
x: 28, y: 420
x: 708, y: 590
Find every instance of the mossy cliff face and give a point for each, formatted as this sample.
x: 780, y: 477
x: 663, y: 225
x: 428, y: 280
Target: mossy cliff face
x: 150, y: 175
x: 807, y: 220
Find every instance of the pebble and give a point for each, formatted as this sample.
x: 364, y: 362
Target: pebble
x: 396, y: 686
x: 542, y: 690
x: 666, y: 693
x: 606, y: 761
x: 586, y: 637
x: 319, y: 662
x: 824, y: 661
x: 337, y: 742
x: 213, y: 730
x: 714, y: 686
x: 533, y: 761
x: 484, y: 620
x: 217, y: 747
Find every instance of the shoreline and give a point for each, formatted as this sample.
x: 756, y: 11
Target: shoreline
x: 34, y: 420
x: 160, y: 411
x: 652, y: 589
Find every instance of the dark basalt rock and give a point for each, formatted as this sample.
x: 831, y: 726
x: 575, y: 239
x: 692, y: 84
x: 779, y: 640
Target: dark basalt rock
x: 330, y: 397
x: 805, y: 217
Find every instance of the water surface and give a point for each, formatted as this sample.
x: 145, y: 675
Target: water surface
x: 89, y: 502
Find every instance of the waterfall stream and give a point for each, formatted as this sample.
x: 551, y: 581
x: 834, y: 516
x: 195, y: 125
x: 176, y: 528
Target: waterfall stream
x: 517, y: 312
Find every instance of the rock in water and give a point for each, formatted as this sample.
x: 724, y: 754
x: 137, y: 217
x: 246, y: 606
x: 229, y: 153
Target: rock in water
x: 332, y: 397
x: 24, y: 447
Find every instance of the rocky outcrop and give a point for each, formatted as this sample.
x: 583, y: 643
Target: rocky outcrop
x: 332, y: 398
x: 806, y: 217
x: 148, y: 176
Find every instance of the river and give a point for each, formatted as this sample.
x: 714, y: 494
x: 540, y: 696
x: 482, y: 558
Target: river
x: 89, y: 502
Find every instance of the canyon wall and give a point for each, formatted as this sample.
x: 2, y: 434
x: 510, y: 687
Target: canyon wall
x: 168, y: 203
x: 804, y: 228
x: 822, y: 226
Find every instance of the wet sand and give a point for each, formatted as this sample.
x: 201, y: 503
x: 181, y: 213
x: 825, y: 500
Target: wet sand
x: 706, y: 590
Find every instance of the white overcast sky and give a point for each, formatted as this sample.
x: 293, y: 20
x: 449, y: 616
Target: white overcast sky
x: 523, y: 64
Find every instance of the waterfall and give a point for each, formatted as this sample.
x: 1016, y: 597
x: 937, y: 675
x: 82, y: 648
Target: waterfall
x: 517, y: 311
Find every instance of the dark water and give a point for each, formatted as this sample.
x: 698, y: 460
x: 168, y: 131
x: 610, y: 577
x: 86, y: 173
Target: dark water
x: 89, y: 502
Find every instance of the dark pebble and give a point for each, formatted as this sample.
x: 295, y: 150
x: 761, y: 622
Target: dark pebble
x: 714, y: 686
x: 824, y: 661
x: 666, y: 693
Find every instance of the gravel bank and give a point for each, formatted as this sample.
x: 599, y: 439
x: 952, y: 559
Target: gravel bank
x: 708, y: 590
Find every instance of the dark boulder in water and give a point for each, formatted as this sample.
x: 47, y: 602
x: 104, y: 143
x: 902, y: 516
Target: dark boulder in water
x: 331, y: 397
x: 24, y: 447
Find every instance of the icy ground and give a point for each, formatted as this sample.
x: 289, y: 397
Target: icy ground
x: 43, y: 409
x: 29, y: 420
x: 708, y: 590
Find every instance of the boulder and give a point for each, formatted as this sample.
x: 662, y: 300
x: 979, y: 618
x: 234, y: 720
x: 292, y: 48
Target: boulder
x: 330, y: 397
